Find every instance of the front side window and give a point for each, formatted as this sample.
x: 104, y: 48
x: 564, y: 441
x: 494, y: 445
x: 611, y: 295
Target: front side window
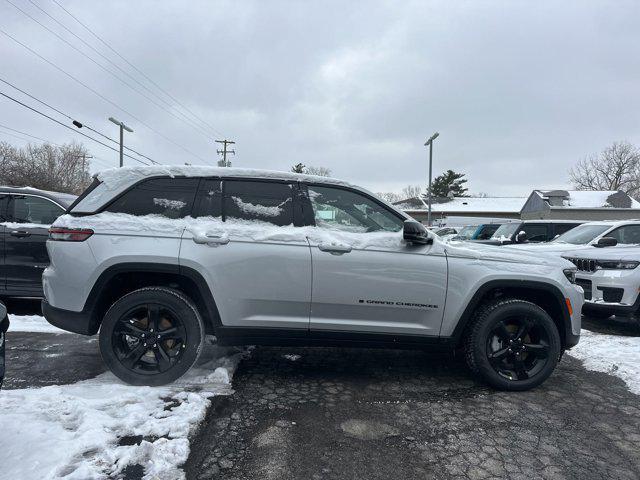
x: 506, y: 230
x: 535, y: 232
x: 270, y: 202
x: 582, y: 234
x: 626, y: 234
x: 36, y: 210
x: 169, y: 197
x: 487, y: 231
x: 340, y: 209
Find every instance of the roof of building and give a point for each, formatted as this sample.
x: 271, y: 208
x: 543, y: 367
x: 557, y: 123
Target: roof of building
x: 575, y: 199
x: 465, y: 204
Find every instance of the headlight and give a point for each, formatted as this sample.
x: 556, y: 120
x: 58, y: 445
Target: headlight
x: 570, y: 273
x: 616, y: 265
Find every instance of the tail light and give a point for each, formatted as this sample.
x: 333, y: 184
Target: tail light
x: 69, y: 234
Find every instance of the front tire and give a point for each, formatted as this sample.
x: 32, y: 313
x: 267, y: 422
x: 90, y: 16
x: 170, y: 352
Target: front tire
x: 512, y: 345
x: 151, y: 336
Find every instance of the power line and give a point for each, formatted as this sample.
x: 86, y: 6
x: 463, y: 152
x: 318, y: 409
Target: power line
x: 95, y: 92
x: 73, y: 120
x: 62, y: 39
x: 105, y: 162
x: 104, y: 42
x: 68, y: 127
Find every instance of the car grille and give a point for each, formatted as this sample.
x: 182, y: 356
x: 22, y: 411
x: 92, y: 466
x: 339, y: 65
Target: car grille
x: 586, y: 286
x: 584, y: 264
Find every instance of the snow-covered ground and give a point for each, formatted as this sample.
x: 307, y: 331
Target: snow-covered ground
x: 75, y: 431
x: 613, y: 354
x: 31, y: 323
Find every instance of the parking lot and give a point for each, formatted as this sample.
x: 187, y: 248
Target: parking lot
x: 346, y: 413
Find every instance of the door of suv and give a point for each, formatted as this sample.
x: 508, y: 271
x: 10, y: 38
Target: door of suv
x: 258, y: 272
x: 25, y: 237
x: 365, y: 277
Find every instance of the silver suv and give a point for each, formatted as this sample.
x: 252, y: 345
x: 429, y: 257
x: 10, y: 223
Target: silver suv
x: 154, y: 258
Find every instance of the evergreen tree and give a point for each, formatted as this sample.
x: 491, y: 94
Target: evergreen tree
x: 299, y: 168
x: 449, y: 182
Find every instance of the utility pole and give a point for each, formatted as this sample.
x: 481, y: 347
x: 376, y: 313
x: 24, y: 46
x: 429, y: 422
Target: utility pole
x: 123, y: 127
x: 430, y: 144
x: 224, y: 151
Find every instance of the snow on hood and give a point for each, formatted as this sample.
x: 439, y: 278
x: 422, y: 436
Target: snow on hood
x: 623, y: 252
x: 497, y: 253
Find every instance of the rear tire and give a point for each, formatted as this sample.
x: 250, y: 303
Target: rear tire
x: 512, y: 345
x: 151, y: 336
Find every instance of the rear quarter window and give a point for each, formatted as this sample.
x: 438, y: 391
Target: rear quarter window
x: 169, y: 197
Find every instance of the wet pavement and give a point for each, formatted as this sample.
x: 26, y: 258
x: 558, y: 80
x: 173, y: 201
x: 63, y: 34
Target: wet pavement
x: 345, y: 414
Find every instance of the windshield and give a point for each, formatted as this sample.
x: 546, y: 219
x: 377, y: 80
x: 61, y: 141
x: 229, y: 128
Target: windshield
x: 468, y: 231
x: 582, y: 234
x: 505, y: 231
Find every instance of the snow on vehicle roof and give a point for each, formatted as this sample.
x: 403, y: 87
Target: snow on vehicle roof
x: 115, y: 180
x: 129, y: 175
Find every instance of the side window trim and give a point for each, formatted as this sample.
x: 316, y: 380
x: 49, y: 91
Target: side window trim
x: 348, y: 189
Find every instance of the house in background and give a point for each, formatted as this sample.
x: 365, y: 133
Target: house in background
x: 541, y: 204
x: 480, y: 208
x: 580, y: 205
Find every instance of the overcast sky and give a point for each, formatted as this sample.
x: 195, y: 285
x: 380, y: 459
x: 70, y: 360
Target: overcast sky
x: 519, y: 91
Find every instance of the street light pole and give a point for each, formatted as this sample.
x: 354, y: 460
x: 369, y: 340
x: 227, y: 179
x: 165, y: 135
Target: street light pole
x: 123, y: 127
x: 430, y: 143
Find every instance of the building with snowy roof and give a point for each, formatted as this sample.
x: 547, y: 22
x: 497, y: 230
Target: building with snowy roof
x: 580, y: 205
x: 481, y: 208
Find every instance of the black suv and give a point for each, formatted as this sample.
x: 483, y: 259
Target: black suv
x: 534, y: 231
x: 26, y: 215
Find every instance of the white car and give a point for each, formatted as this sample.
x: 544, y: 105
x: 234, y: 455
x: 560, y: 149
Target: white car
x: 610, y: 278
x: 587, y: 236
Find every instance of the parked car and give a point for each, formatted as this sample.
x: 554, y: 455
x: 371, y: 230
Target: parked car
x: 589, y: 235
x: 482, y: 231
x: 444, y: 231
x: 4, y: 326
x: 610, y: 279
x: 26, y: 216
x: 530, y: 231
x: 155, y: 257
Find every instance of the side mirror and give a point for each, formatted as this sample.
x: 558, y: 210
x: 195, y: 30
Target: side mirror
x: 521, y: 237
x: 415, y: 232
x: 606, y: 242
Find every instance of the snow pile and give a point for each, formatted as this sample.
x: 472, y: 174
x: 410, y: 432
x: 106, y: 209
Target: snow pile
x: 75, y: 431
x: 613, y: 354
x: 253, y: 209
x: 170, y: 204
x: 31, y: 323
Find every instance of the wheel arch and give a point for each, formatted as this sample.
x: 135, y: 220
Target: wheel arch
x: 120, y: 279
x: 547, y: 296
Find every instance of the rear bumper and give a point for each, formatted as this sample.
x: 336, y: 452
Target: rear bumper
x: 76, y: 322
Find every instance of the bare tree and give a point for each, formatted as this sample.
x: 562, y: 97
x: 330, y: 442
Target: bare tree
x: 390, y: 197
x: 411, y: 191
x: 617, y: 167
x: 47, y: 167
x: 321, y: 171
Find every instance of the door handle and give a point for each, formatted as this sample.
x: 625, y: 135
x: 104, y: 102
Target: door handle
x: 334, y: 249
x: 20, y: 233
x: 211, y: 239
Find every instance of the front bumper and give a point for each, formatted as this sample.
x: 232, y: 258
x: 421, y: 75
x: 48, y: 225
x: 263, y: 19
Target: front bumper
x: 76, y: 322
x: 613, y: 292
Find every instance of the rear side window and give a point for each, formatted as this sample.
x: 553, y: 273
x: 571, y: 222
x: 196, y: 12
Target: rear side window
x: 169, y: 197
x: 29, y: 209
x: 264, y: 201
